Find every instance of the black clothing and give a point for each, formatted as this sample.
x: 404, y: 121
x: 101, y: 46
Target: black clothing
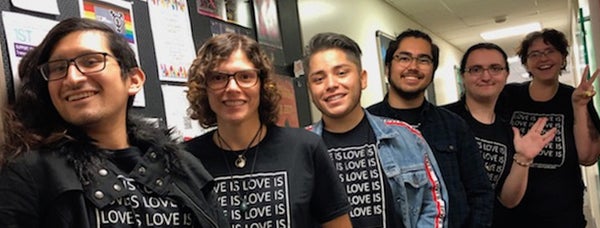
x: 470, y: 193
x: 42, y: 189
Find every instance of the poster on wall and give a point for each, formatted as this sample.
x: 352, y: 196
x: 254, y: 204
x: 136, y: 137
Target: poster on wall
x: 176, y: 105
x: 173, y: 42
x: 23, y: 33
x: 288, y: 112
x: 267, y: 29
x: 42, y: 6
x: 118, y: 15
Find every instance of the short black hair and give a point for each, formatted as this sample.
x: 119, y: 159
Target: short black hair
x: 328, y: 40
x: 393, y: 46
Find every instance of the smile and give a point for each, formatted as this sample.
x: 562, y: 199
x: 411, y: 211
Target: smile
x: 335, y: 97
x: 80, y: 96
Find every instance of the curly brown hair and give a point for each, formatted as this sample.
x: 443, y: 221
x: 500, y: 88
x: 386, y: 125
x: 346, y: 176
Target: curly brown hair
x: 549, y: 36
x: 215, y: 51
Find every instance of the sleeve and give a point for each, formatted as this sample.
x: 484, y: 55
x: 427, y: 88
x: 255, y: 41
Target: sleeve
x: 329, y: 199
x: 18, y: 202
x: 435, y: 201
x: 480, y: 194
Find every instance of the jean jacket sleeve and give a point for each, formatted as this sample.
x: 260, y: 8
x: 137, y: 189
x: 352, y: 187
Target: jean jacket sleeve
x: 436, y: 201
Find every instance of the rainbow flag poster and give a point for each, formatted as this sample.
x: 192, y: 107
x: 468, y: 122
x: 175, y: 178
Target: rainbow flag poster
x: 116, y: 16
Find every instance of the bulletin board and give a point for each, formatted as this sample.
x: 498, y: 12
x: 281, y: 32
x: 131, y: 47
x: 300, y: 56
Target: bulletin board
x: 203, y: 27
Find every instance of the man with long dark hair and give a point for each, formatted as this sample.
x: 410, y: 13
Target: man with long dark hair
x: 76, y: 158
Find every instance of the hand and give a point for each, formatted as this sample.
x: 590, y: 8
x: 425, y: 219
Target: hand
x: 585, y: 91
x: 532, y: 143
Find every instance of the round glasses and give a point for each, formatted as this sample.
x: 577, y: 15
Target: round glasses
x: 536, y: 55
x: 86, y: 64
x: 244, y: 78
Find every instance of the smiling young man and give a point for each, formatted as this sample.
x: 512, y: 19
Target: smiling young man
x: 391, y: 177
x: 410, y: 63
x: 75, y: 158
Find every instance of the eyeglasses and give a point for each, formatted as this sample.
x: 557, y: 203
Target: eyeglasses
x: 86, y: 64
x: 492, y: 70
x: 536, y: 55
x: 243, y: 78
x: 422, y: 60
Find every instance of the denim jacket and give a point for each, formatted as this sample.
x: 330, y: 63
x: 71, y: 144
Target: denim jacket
x: 470, y: 192
x: 412, y: 171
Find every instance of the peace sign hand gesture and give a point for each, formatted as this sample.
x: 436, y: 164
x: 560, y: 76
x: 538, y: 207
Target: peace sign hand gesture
x: 585, y: 91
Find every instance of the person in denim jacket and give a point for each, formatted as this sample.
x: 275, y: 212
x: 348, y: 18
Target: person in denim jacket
x: 410, y: 63
x: 365, y: 147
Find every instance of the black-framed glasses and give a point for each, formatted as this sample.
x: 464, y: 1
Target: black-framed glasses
x: 405, y: 59
x: 535, y: 55
x: 86, y: 64
x: 243, y: 78
x: 492, y: 70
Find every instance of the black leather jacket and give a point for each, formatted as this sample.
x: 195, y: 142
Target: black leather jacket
x: 42, y: 189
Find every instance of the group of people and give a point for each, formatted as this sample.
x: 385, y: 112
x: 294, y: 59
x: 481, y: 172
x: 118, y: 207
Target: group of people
x: 502, y: 156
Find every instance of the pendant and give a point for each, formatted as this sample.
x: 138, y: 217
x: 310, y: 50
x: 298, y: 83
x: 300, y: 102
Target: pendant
x: 244, y: 205
x: 240, y: 162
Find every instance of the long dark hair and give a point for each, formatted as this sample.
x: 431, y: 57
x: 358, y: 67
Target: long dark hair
x: 32, y: 121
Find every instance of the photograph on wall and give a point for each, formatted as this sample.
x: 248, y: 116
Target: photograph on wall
x: 118, y: 15
x: 288, y: 112
x: 232, y: 11
x: 383, y: 41
x: 23, y: 33
x: 219, y: 27
x: 267, y: 30
x: 211, y: 8
x: 173, y: 42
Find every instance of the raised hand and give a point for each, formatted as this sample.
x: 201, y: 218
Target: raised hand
x: 529, y: 145
x: 585, y: 91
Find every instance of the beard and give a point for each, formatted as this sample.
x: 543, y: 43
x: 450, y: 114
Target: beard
x: 408, y: 95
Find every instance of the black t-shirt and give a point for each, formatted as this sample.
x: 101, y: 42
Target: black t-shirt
x: 495, y: 142
x: 288, y: 180
x: 354, y: 154
x: 554, y: 193
x: 140, y: 207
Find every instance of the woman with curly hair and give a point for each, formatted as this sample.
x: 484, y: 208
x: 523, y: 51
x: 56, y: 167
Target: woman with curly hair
x: 265, y: 174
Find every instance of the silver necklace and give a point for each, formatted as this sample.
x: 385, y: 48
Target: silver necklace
x: 244, y: 205
x: 240, y: 161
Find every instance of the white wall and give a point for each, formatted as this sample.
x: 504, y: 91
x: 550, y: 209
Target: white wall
x: 359, y: 20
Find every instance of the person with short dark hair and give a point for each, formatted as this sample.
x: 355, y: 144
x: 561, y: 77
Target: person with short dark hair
x: 410, y: 62
x: 75, y: 157
x: 266, y: 175
x: 403, y: 181
x: 555, y: 187
x: 484, y: 70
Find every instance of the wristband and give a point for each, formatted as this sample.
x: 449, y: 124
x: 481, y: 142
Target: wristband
x: 524, y: 164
